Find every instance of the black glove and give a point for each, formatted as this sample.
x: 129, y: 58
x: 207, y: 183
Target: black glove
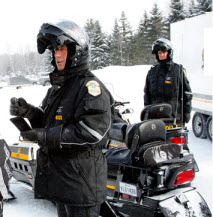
x: 35, y: 135
x: 20, y: 107
x: 45, y: 138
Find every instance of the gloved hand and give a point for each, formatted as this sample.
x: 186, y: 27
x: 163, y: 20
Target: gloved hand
x: 45, y: 138
x: 20, y: 107
x: 35, y: 135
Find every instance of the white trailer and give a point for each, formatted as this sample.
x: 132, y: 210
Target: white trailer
x: 192, y: 41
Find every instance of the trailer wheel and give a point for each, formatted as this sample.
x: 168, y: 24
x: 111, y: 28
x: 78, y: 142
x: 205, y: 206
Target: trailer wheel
x: 209, y: 127
x: 199, y: 125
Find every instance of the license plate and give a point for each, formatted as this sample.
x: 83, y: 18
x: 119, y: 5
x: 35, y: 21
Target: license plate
x: 128, y: 189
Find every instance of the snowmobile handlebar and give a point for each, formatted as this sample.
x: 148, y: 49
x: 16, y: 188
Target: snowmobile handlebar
x: 117, y: 103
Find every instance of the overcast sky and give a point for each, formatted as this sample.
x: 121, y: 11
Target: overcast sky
x: 21, y: 19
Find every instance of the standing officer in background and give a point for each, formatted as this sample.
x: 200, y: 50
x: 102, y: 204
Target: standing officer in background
x: 71, y: 126
x: 166, y: 82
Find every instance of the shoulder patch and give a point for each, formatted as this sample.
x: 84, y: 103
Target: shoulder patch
x: 93, y: 88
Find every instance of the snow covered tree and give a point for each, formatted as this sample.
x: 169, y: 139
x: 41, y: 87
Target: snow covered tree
x: 45, y: 62
x: 10, y: 68
x: 115, y: 45
x: 176, y: 11
x: 89, y: 27
x: 126, y: 39
x: 4, y: 63
x: 100, y: 56
x: 205, y: 5
x: 156, y: 29
x: 193, y: 9
x: 143, y: 47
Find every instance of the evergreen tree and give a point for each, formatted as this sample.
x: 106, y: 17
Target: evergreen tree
x: 115, y: 45
x: 30, y: 63
x: 133, y: 59
x: 4, y: 62
x: 193, y: 9
x: 100, y: 56
x: 89, y: 27
x: 205, y: 5
x: 126, y: 39
x: 177, y: 12
x: 10, y: 68
x: 156, y: 30
x: 143, y: 46
x: 45, y: 63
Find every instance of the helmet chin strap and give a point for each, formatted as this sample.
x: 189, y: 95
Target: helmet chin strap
x: 76, y: 59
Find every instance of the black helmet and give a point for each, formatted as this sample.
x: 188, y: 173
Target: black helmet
x: 163, y: 45
x: 65, y: 33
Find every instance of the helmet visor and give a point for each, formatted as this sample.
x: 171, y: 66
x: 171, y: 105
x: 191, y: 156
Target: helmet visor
x: 160, y: 47
x: 161, y: 44
x: 61, y: 33
x: 50, y: 37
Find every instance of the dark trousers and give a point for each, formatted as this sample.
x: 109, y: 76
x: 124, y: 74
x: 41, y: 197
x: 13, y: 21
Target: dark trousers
x: 65, y: 210
x: 1, y: 206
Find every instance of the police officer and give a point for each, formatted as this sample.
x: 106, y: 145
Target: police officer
x: 71, y: 126
x: 166, y: 82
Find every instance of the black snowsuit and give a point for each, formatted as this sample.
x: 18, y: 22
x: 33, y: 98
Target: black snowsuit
x: 167, y: 83
x: 78, y: 122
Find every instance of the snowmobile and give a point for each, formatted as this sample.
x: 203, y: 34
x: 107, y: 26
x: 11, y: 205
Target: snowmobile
x: 152, y: 175
x: 150, y: 167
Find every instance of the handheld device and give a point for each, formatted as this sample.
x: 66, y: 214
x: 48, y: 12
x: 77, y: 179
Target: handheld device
x: 20, y: 123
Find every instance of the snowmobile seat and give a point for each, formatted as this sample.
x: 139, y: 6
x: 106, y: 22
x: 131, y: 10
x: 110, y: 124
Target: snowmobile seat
x: 116, y: 155
x: 147, y: 131
x: 157, y: 111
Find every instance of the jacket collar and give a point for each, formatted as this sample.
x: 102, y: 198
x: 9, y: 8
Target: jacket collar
x: 59, y: 78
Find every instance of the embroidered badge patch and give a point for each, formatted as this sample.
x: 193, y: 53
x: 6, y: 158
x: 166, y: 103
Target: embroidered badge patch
x: 93, y: 88
x: 168, y: 80
x: 59, y: 117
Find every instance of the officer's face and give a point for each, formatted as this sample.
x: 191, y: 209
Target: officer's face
x: 61, y: 57
x: 162, y: 55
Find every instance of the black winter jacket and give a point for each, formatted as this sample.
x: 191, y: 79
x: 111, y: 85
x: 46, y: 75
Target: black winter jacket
x: 77, y: 117
x: 168, y: 83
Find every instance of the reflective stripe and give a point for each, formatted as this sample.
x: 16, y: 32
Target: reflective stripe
x: 85, y: 143
x: 91, y: 131
x: 111, y: 187
x: 187, y: 92
x: 20, y: 156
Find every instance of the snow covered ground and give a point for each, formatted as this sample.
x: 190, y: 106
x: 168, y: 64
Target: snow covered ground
x: 126, y: 84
